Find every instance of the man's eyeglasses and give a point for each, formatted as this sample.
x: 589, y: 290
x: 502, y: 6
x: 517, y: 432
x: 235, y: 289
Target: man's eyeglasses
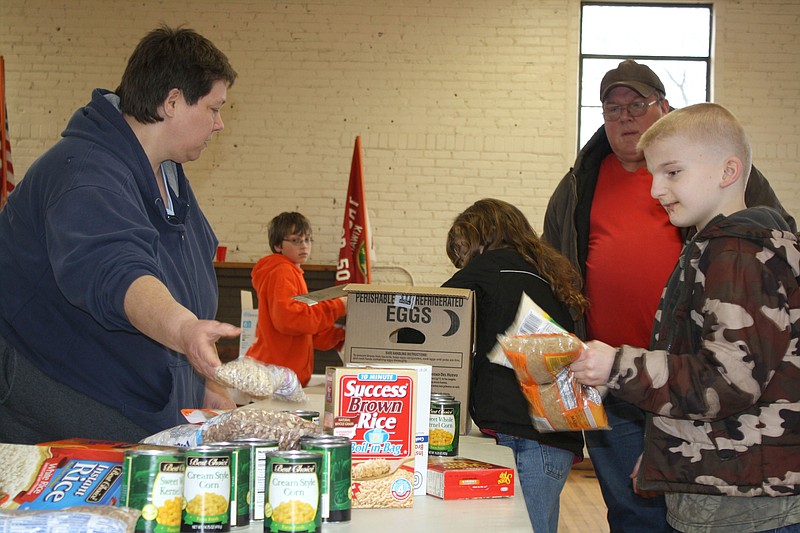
x: 636, y: 109
x: 300, y: 241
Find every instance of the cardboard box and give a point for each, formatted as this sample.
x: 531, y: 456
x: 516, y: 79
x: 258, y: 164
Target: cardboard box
x: 59, y: 474
x: 455, y: 478
x: 422, y: 422
x: 390, y: 324
x: 376, y: 409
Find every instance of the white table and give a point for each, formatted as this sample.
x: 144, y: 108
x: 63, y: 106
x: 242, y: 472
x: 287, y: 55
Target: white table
x: 428, y: 513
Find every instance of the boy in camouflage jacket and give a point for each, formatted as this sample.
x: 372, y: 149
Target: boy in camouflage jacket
x: 721, y: 382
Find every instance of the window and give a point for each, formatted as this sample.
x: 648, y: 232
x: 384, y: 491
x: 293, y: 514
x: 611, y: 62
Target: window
x: 672, y: 39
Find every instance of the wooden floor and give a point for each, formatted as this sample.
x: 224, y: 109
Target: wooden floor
x: 582, y: 507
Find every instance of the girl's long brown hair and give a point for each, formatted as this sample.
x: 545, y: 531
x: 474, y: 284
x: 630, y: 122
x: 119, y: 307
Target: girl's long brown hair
x: 489, y: 224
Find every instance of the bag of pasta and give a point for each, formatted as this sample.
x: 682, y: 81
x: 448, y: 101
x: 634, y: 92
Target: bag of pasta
x: 556, y: 402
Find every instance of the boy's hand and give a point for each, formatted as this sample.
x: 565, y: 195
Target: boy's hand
x: 593, y: 366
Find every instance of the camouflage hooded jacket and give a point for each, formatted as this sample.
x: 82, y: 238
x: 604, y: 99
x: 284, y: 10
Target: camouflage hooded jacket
x: 721, y: 383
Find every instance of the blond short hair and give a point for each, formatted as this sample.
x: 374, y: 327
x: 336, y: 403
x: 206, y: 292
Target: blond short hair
x: 708, y: 124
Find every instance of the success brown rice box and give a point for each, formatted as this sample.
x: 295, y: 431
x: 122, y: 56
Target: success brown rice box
x: 376, y: 409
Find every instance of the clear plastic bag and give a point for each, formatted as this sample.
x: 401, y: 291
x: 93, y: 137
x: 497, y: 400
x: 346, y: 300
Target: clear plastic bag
x: 247, y: 422
x: 556, y: 402
x: 260, y: 380
x: 84, y: 519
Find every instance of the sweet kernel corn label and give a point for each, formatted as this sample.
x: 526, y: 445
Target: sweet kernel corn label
x: 152, y: 481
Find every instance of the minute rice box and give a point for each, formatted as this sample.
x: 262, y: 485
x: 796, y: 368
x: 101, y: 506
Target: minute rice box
x: 375, y: 408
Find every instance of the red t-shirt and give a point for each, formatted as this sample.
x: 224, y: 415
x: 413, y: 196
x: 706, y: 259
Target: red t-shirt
x: 633, y: 249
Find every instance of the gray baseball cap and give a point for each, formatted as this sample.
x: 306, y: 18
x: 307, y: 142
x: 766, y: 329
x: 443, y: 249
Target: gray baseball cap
x: 631, y: 74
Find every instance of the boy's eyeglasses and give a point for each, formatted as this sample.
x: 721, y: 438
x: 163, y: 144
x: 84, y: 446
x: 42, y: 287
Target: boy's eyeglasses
x: 636, y: 109
x: 300, y: 241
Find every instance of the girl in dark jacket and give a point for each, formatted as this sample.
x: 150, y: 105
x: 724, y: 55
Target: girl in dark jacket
x: 500, y: 257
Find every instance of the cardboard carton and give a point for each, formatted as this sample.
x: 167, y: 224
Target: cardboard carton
x: 390, y: 324
x: 454, y: 478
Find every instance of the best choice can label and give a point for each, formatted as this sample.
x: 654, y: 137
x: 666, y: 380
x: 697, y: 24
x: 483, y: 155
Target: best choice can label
x: 240, y: 481
x: 152, y: 481
x: 443, y: 432
x: 293, y: 491
x: 207, y: 489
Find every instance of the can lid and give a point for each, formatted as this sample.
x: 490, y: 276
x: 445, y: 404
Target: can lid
x: 227, y: 444
x: 294, y: 454
x: 255, y: 440
x: 447, y: 402
x: 158, y: 452
x: 326, y: 442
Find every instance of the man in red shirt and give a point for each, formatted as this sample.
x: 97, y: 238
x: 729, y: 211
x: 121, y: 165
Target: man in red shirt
x: 602, y: 217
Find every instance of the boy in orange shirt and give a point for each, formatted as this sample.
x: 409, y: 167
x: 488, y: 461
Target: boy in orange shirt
x: 288, y: 331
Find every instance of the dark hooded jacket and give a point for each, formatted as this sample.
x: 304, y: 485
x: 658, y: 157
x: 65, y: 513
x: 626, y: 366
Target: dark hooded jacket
x: 85, y: 222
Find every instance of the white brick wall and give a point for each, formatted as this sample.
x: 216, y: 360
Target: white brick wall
x: 455, y: 100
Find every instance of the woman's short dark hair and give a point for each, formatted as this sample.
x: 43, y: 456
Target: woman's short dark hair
x: 167, y: 59
x: 287, y: 224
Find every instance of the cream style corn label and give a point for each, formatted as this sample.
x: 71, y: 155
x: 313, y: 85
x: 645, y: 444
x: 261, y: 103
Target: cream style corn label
x: 207, y: 490
x: 375, y: 409
x: 293, y: 491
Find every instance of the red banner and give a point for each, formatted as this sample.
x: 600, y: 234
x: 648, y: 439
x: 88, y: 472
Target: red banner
x: 355, y: 250
x: 6, y: 168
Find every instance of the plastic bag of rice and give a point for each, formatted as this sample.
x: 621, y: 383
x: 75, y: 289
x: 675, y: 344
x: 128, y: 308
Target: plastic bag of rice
x: 556, y: 402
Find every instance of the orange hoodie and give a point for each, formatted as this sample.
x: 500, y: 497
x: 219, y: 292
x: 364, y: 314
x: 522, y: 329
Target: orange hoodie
x: 287, y: 330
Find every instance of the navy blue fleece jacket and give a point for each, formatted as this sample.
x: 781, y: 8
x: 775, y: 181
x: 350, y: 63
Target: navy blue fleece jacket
x: 84, y: 223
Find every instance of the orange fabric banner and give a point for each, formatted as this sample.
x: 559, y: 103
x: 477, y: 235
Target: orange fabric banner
x: 355, y: 251
x: 6, y: 168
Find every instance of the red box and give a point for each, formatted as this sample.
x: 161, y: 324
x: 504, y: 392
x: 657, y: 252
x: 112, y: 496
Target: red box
x: 456, y: 478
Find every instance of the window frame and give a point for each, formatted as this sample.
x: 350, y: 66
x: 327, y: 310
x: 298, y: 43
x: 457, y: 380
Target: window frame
x: 582, y: 57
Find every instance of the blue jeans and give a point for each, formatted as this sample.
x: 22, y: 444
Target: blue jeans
x: 542, y: 471
x: 794, y: 528
x: 614, y: 453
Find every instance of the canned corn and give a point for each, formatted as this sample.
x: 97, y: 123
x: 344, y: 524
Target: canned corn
x: 293, y: 491
x: 207, y: 489
x: 444, y: 422
x: 152, y: 481
x: 240, y: 481
x: 335, y: 479
x: 258, y: 473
